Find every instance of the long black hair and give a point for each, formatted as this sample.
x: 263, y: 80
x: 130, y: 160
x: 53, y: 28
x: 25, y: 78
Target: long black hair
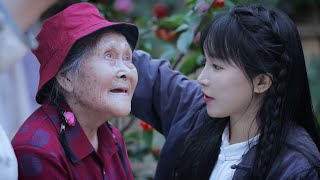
x: 259, y: 41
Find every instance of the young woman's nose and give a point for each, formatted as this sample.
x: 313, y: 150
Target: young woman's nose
x: 202, y: 80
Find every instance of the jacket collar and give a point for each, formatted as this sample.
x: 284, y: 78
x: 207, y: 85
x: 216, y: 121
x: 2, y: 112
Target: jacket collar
x: 76, y: 138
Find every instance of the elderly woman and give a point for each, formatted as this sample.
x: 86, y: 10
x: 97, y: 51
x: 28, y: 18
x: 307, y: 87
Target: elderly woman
x: 86, y: 78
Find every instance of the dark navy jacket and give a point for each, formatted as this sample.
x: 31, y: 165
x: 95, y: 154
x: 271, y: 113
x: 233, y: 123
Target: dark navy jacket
x: 173, y: 105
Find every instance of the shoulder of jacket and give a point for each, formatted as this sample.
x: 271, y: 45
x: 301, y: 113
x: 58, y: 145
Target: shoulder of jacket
x: 306, y: 173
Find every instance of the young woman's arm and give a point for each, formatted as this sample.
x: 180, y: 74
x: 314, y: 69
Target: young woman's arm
x: 162, y: 96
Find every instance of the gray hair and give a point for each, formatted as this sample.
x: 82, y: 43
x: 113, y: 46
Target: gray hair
x: 72, y: 65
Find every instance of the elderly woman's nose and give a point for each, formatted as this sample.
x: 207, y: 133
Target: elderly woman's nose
x: 122, y: 70
x: 122, y: 75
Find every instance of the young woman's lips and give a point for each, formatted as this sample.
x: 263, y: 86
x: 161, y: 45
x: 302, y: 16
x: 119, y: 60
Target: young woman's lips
x: 207, y: 99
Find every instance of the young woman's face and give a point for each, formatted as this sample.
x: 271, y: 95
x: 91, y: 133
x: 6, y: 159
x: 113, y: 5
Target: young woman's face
x: 107, y: 78
x: 227, y: 91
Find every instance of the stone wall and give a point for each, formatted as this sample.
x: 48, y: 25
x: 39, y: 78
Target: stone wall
x: 308, y: 24
x: 310, y: 37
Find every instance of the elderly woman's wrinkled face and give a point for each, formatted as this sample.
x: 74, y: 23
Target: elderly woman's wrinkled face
x: 107, y: 78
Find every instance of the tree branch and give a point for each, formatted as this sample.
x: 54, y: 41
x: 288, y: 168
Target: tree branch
x: 128, y: 125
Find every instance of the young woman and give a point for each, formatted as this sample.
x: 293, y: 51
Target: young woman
x: 250, y: 114
x: 86, y: 78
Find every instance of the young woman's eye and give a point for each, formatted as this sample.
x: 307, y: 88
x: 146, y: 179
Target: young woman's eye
x: 216, y: 67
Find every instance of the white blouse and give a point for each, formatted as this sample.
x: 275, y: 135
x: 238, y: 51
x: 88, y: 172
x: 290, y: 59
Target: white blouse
x: 8, y: 161
x: 230, y: 155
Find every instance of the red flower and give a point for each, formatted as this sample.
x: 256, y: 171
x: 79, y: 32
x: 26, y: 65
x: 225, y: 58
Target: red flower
x: 218, y: 3
x: 160, y: 10
x: 203, y: 7
x: 145, y: 126
x: 166, y: 34
x: 155, y: 151
x: 196, y: 38
x: 124, y: 6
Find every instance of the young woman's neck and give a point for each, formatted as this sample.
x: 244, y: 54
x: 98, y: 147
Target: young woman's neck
x: 243, y: 127
x: 241, y: 131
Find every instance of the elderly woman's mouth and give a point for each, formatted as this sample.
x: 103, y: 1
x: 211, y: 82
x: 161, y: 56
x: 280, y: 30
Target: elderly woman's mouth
x: 119, y: 90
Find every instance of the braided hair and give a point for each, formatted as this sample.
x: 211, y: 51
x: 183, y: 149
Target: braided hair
x: 258, y: 41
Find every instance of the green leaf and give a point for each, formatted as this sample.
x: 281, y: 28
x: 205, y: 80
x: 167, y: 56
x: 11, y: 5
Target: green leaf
x: 147, y: 137
x: 132, y: 136
x: 182, y: 27
x: 138, y: 152
x: 191, y: 3
x: 143, y: 22
x: 172, y: 22
x: 168, y: 54
x: 184, y: 41
x: 313, y: 66
x: 195, y: 20
x: 146, y: 46
x: 191, y: 64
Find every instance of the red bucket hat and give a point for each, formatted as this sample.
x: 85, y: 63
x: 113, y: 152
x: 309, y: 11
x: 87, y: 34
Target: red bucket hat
x: 61, y: 31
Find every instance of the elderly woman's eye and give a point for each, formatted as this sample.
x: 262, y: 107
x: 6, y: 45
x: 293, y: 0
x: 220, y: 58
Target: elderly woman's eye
x: 126, y: 58
x: 108, y: 55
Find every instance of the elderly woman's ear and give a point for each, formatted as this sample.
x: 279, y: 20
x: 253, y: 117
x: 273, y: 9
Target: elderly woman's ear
x: 65, y: 82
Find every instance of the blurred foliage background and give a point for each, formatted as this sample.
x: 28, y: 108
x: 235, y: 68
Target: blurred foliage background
x: 170, y: 30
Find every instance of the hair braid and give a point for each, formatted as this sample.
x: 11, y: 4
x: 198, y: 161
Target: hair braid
x: 273, y: 129
x: 54, y: 93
